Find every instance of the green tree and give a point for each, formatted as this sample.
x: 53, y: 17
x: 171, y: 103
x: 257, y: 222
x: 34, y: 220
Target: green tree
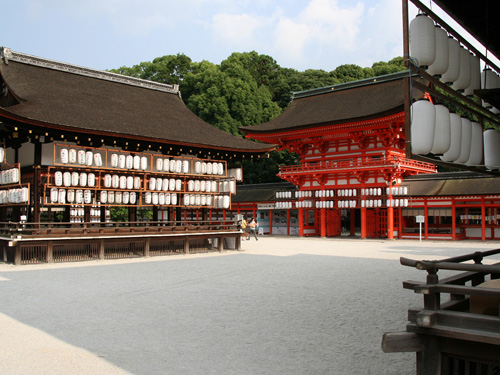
x: 351, y: 72
x: 266, y: 169
x: 393, y: 66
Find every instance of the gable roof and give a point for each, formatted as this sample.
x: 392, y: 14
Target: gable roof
x: 349, y: 102
x: 74, y: 98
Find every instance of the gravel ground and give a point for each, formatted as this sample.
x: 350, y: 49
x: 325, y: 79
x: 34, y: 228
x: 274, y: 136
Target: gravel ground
x: 280, y: 306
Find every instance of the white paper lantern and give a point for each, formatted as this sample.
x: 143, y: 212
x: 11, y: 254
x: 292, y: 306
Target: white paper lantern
x: 442, y: 130
x: 81, y: 157
x: 453, y: 71
x: 123, y: 182
x: 83, y: 179
x: 171, y: 184
x: 114, y: 160
x: 115, y: 181
x: 130, y: 182
x: 159, y: 184
x: 475, y: 75
x: 154, y: 198
x: 159, y: 164
x: 72, y: 156
x: 62, y: 196
x: 167, y: 199
x: 70, y: 196
x: 133, y: 198
x: 185, y: 166
x: 172, y: 165
x: 54, y: 194
x: 58, y: 178
x: 64, y: 154
x: 465, y: 145
x: 126, y: 197
x: 89, y: 157
x: 137, y: 162
x: 98, y: 159
x: 166, y: 165
x: 152, y: 183
x: 173, y: 199
x: 75, y: 179
x: 137, y: 182
x: 476, y: 147
x: 161, y: 199
x: 463, y: 80
x: 423, y: 117
x: 491, y: 139
x: 147, y: 197
x: 164, y: 186
x: 422, y: 40
x: 441, y: 60
x: 453, y: 151
x: 178, y: 185
x: 129, y: 162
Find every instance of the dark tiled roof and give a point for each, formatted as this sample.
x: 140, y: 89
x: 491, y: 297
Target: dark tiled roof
x: 261, y: 192
x: 453, y: 184
x: 82, y: 99
x: 351, y: 102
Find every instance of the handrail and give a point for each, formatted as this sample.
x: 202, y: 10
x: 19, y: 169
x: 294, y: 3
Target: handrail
x: 359, y: 164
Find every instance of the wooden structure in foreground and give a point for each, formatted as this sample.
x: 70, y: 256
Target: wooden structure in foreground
x: 458, y: 335
x: 30, y: 243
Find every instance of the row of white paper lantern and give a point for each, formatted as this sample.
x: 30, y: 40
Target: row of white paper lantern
x: 210, y: 168
x: 236, y: 173
x: 283, y: 194
x: 284, y: 205
x: 15, y: 196
x: 165, y: 184
x: 63, y: 196
x: 397, y: 190
x: 442, y: 55
x: 69, y: 179
x: 77, y: 211
x: 304, y: 204
x: 118, y: 197
x: 227, y: 186
x: 9, y: 176
x: 444, y: 58
x: 222, y: 201
x: 374, y: 203
x: 123, y: 161
x: 458, y: 140
x: 303, y: 194
x: 198, y: 200
x: 80, y: 157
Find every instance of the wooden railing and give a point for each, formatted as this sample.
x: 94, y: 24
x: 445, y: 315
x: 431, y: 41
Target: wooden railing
x: 58, y: 229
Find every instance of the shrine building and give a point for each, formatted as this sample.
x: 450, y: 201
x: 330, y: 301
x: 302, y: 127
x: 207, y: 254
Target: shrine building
x: 78, y: 143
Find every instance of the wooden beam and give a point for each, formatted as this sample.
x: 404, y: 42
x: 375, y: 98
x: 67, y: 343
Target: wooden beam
x: 401, y: 342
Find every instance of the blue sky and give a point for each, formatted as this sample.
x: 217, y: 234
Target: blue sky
x: 299, y: 34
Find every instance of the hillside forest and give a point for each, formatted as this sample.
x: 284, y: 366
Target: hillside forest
x: 247, y: 89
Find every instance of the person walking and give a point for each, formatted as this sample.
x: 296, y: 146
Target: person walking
x: 244, y: 228
x: 253, y: 225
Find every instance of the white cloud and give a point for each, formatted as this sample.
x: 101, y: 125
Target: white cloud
x: 234, y: 29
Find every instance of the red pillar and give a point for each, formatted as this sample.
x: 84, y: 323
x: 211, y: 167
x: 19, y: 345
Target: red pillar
x: 301, y: 222
x: 270, y: 222
x: 453, y: 220
x: 287, y: 222
x: 483, y: 220
x: 390, y: 223
x: 363, y: 222
x: 426, y: 224
x: 323, y: 222
x: 353, y: 222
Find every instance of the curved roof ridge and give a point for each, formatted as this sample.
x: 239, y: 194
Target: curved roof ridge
x: 7, y: 54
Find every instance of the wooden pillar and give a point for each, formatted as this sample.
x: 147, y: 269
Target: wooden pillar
x: 50, y: 252
x: 400, y: 222
x: 101, y: 249
x: 146, y: 246
x: 322, y: 222
x: 132, y: 215
x: 390, y: 223
x: 17, y: 254
x: 186, y: 245
x: 363, y: 222
x: 352, y: 231
x: 483, y: 220
x: 220, y: 244
x: 238, y: 242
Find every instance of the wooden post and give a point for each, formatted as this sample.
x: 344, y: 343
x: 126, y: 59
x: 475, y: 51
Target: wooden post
x: 220, y: 244
x: 453, y: 220
x: 146, y: 246
x: 483, y: 220
x: 50, y: 252
x: 186, y: 245
x: 238, y: 242
x: 101, y: 249
x: 17, y: 254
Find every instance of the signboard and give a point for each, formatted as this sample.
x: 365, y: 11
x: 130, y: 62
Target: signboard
x: 420, y: 219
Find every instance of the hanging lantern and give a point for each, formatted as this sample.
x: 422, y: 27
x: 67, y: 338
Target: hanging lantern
x: 463, y: 80
x: 489, y: 80
x: 475, y: 75
x: 422, y: 40
x: 442, y: 135
x: 453, y: 71
x: 453, y: 151
x: 173, y: 199
x: 423, y: 117
x: 491, y: 148
x: 441, y: 61
x: 466, y: 141
x: 476, y: 147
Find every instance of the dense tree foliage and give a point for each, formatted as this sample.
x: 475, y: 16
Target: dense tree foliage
x: 247, y: 89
